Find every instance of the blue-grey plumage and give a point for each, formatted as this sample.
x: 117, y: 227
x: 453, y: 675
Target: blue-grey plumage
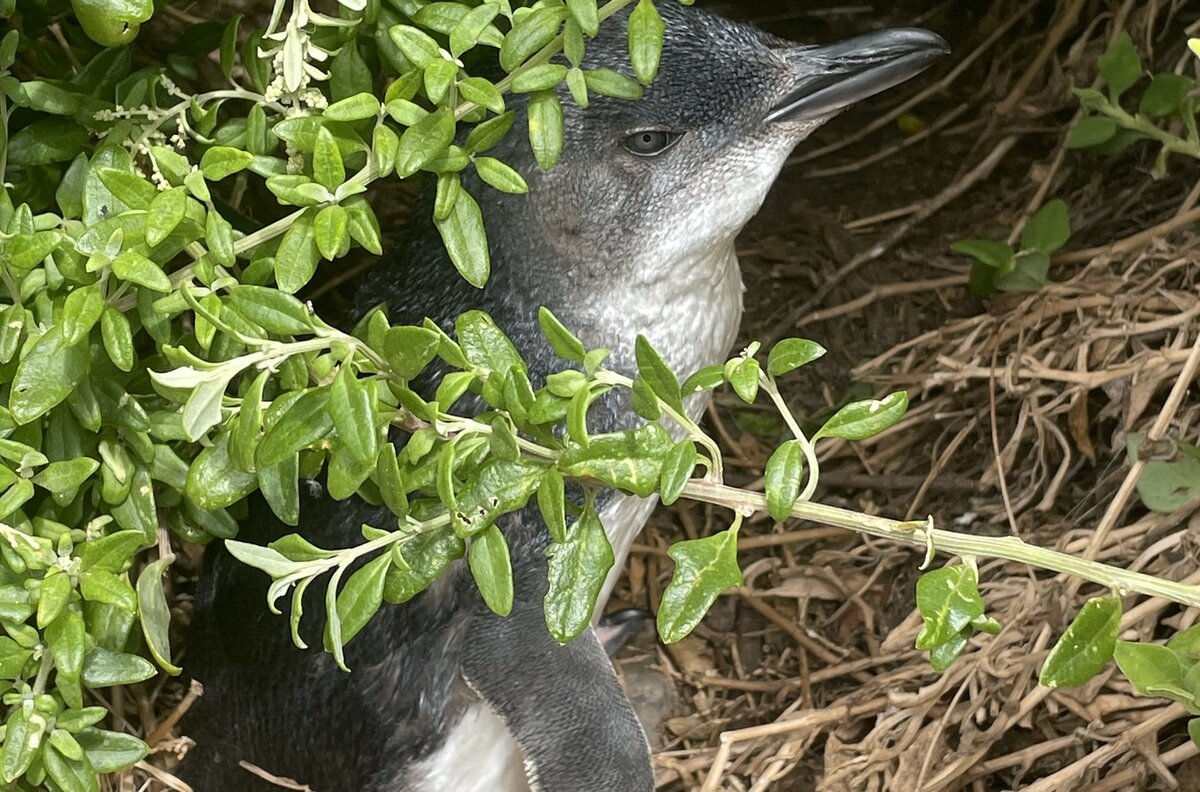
x: 631, y: 233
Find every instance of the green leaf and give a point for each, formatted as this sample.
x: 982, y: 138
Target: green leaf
x: 551, y: 501
x: 744, y: 377
x: 221, y: 161
x: 500, y: 176
x: 997, y: 255
x: 1086, y: 646
x: 131, y: 189
x: 564, y: 343
x: 134, y: 267
x: 166, y: 212
x: 112, y: 553
x: 66, y: 475
x: 607, y: 82
x: 948, y: 599
x: 155, y: 614
x: 943, y: 655
x: 706, y: 378
x: 484, y: 94
x: 499, y: 487
x: 645, y: 40
x: 328, y: 169
x: 485, y: 135
x: 214, y: 481
x: 657, y: 374
x: 439, y: 76
x: 631, y: 461
x: 353, y: 416
x: 74, y: 774
x: 485, y: 345
x: 585, y: 14
x: 1030, y: 272
x: 49, y: 371
x: 424, y: 141
x: 529, y: 34
x: 1164, y: 94
x: 28, y: 250
x: 202, y: 411
x: 272, y: 310
x: 22, y: 741
x: 1153, y: 669
x: 792, y: 353
x: 577, y: 85
x: 67, y: 639
x: 416, y: 45
x: 280, y: 488
x: 306, y: 421
x: 267, y: 559
x: 55, y: 593
x: 359, y: 600
x: 1166, y: 485
x: 425, y: 557
x: 543, y: 77
x: 703, y: 569
x: 677, y: 469
x: 1194, y: 724
x: 99, y: 585
x: 296, y: 259
x: 1049, y: 229
x: 111, y: 751
x: 81, y: 311
x: 353, y: 108
x: 1186, y: 645
x: 783, y: 476
x: 466, y: 240
x: 1120, y: 66
x: 118, y: 338
x: 546, y: 128
x: 468, y: 31
x: 577, y: 570
x: 245, y: 434
x: 103, y: 668
x: 331, y: 230
x: 409, y: 350
x: 492, y: 569
x: 862, y: 419
x: 1091, y: 131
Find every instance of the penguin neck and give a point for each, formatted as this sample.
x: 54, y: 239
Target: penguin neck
x: 686, y: 298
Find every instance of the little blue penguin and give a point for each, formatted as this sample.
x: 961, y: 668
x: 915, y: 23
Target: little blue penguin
x: 632, y: 232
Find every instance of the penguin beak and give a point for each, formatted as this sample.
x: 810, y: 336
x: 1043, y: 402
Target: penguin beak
x: 834, y: 76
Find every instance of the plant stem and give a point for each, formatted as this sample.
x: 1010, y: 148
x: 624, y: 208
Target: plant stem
x: 920, y: 533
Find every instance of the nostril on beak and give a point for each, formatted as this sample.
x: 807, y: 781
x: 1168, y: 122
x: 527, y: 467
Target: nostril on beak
x: 831, y: 77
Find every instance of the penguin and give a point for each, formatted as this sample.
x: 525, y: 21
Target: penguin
x: 632, y: 232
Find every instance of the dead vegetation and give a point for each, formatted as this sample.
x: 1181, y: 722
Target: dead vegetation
x: 806, y: 678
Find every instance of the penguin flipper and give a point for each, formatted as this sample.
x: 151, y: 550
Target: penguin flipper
x: 563, y: 704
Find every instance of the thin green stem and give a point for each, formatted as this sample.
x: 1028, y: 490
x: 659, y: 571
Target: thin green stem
x: 922, y: 534
x: 717, y: 469
x: 812, y: 466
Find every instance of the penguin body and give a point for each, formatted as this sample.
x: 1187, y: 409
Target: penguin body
x: 631, y: 233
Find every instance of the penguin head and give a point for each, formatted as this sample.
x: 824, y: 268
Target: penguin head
x: 687, y: 165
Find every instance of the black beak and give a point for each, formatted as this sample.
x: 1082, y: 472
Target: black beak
x: 834, y: 76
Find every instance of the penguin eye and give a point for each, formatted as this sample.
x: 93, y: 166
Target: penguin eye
x: 650, y: 142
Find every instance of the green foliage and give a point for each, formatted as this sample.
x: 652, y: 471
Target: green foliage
x: 949, y: 602
x: 998, y: 267
x: 1086, y: 646
x: 1170, y: 478
x: 1113, y: 121
x: 1171, y: 671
